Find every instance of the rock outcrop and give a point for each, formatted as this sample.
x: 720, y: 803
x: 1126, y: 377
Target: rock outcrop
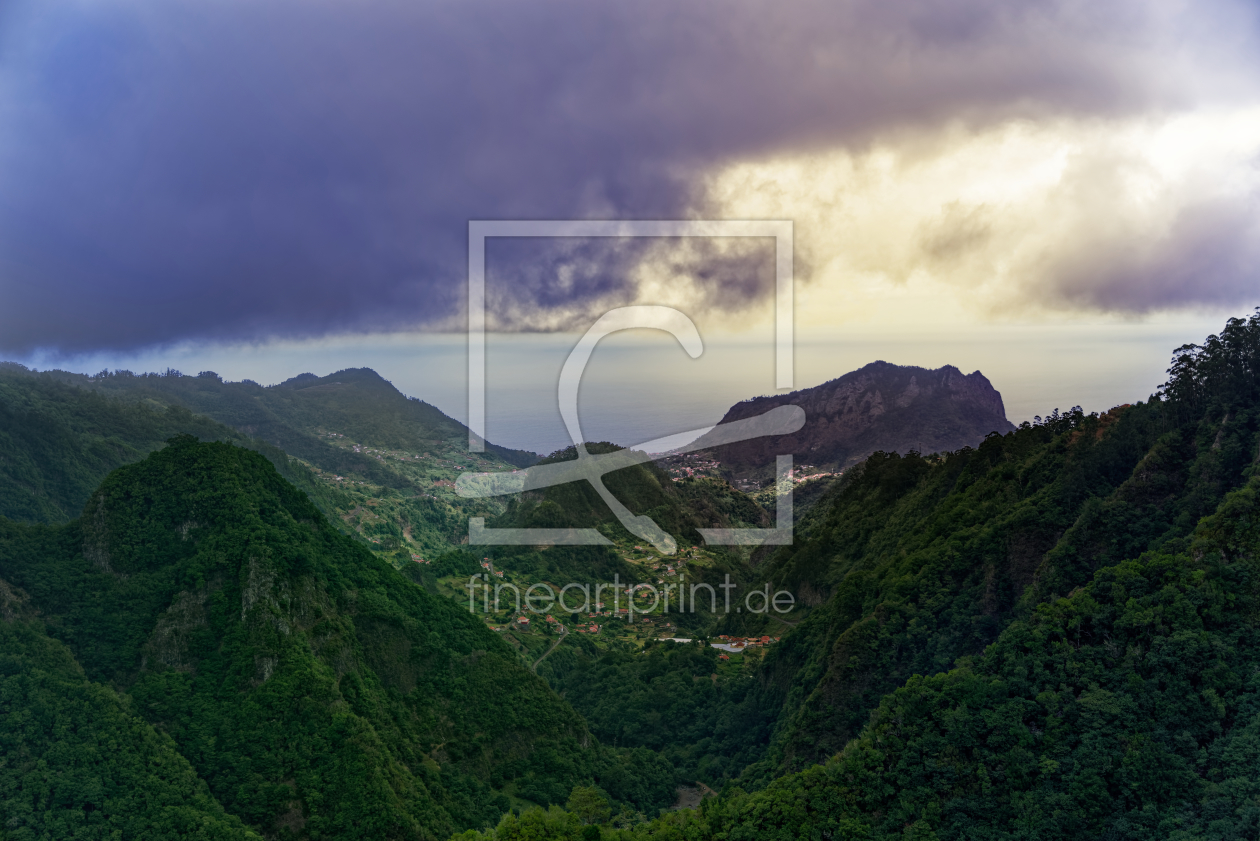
x: 893, y: 408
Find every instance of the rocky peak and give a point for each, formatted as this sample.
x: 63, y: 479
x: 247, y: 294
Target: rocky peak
x: 881, y: 406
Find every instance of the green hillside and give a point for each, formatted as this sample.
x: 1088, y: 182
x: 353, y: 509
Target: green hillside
x: 378, y: 462
x: 57, y: 442
x: 911, y: 563
x: 1050, y: 636
x: 76, y: 761
x: 1129, y: 709
x: 60, y: 439
x: 679, y: 508
x: 916, y: 562
x: 300, y: 415
x: 318, y: 692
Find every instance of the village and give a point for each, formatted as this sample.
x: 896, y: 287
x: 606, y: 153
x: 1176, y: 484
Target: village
x: 682, y: 466
x: 635, y: 615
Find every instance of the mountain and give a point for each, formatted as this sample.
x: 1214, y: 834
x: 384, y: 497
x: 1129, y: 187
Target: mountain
x: 1128, y: 709
x: 299, y: 415
x: 679, y: 508
x: 1051, y: 635
x: 389, y: 459
x: 377, y: 462
x: 879, y: 407
x: 59, y: 440
x: 78, y: 762
x: 73, y: 428
x: 316, y: 691
x: 912, y: 563
x: 915, y: 562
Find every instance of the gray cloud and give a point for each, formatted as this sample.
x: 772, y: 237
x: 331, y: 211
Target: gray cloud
x: 1210, y: 255
x: 231, y: 170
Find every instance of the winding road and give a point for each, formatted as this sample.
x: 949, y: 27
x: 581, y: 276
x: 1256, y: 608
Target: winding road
x: 559, y: 639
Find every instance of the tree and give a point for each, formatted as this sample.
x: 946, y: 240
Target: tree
x: 589, y: 804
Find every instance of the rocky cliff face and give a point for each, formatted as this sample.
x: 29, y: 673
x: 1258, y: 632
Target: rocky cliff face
x: 881, y: 406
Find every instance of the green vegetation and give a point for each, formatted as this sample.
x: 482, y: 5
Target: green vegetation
x: 1130, y: 709
x: 1051, y: 635
x: 674, y: 698
x: 386, y: 475
x: 646, y: 489
x: 1081, y: 597
x: 317, y: 691
x: 300, y: 415
x: 915, y: 562
x: 381, y: 463
x: 57, y: 442
x: 77, y: 762
x: 680, y: 508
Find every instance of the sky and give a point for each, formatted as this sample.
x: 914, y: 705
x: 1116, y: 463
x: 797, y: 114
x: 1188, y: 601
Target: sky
x: 1055, y: 193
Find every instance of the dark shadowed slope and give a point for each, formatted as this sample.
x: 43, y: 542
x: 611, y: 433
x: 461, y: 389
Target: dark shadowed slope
x: 316, y: 690
x: 59, y: 438
x: 356, y: 401
x: 76, y: 761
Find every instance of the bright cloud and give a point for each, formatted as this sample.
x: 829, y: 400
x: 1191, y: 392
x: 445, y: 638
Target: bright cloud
x: 1126, y: 216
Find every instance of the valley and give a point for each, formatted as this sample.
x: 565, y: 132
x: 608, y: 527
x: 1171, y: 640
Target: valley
x: 278, y: 597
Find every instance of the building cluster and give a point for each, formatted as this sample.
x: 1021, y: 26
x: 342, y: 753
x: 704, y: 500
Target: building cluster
x: 737, y: 643
x: 688, y: 466
x: 803, y: 473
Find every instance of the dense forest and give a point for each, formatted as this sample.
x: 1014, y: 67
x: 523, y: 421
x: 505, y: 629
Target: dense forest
x: 1050, y: 635
x: 60, y: 439
x: 316, y: 691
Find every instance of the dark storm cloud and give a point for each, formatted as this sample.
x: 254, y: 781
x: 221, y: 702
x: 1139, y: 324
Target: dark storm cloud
x: 175, y: 170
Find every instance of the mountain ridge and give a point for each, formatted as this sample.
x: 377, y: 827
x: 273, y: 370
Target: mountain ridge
x: 878, y: 407
x: 315, y: 689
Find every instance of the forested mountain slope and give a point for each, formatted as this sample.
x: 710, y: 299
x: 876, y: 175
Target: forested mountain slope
x: 911, y: 563
x: 918, y: 561
x: 57, y: 442
x: 318, y: 692
x: 1129, y: 709
x: 76, y: 761
x: 356, y: 402
x: 62, y: 433
x: 1051, y: 636
x: 678, y: 508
